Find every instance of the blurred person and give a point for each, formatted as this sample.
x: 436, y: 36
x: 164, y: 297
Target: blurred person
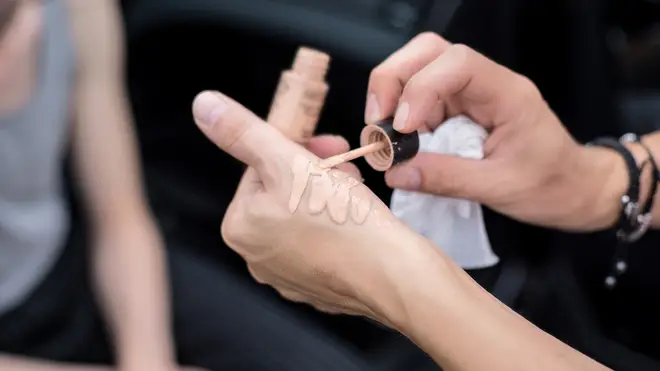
x: 375, y: 266
x: 61, y: 60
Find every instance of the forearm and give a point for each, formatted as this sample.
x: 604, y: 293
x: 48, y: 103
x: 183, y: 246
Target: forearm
x: 130, y: 277
x: 129, y: 262
x: 13, y: 363
x: 106, y: 155
x: 462, y: 326
x: 105, y: 144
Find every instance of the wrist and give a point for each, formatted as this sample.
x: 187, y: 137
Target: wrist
x: 606, y: 182
x: 425, y: 296
x: 411, y: 269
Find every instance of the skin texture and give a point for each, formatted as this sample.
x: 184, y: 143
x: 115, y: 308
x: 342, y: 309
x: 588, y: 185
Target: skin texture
x: 380, y: 268
x: 531, y: 162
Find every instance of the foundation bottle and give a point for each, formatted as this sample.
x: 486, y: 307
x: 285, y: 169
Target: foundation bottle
x: 300, y: 95
x: 396, y: 148
x: 381, y: 146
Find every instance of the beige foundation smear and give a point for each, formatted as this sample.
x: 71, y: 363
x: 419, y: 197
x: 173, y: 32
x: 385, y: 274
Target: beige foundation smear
x: 295, y: 111
x: 329, y: 190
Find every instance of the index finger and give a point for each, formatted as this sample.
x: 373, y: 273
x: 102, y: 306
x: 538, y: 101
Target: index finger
x: 387, y: 80
x: 244, y: 136
x: 463, y: 81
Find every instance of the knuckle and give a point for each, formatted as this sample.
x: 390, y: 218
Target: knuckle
x: 251, y: 227
x: 381, y: 73
x: 441, y: 183
x: 257, y: 277
x: 241, y: 219
x: 232, y: 228
x: 525, y: 88
x: 229, y: 129
x: 418, y: 85
x: 428, y: 37
x: 461, y: 53
x: 446, y: 186
x: 259, y: 211
x: 242, y: 126
x: 260, y: 162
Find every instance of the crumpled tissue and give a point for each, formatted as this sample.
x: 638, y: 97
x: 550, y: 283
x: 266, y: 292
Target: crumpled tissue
x: 455, y: 225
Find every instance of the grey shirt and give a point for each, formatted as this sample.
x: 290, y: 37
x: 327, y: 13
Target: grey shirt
x: 33, y: 211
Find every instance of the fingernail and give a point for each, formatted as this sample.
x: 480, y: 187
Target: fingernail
x: 372, y: 110
x: 208, y: 107
x: 401, y: 116
x: 403, y: 177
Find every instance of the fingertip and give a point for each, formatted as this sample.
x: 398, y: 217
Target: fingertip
x: 235, y: 130
x: 208, y: 107
x: 401, y: 115
x: 372, y: 111
x: 383, y: 95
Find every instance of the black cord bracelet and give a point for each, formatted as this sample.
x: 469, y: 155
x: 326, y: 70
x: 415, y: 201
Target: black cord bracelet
x: 632, y: 223
x: 647, y: 210
x: 656, y: 170
x: 628, y: 226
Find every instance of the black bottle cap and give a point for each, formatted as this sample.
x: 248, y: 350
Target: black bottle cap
x: 400, y: 147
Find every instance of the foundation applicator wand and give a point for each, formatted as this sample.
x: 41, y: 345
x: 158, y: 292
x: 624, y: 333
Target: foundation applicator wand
x: 351, y: 155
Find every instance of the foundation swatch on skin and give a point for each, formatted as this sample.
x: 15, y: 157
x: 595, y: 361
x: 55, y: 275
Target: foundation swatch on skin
x: 329, y: 190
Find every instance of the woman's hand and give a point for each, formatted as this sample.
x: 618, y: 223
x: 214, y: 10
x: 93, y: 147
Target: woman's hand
x: 533, y: 169
x: 317, y: 235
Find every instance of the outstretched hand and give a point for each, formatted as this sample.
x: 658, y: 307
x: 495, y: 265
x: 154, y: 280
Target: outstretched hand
x: 316, y: 235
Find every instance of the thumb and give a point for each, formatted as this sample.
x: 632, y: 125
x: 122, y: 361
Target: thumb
x: 443, y: 175
x: 240, y: 133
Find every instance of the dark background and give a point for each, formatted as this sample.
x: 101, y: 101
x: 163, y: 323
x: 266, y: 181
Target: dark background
x: 596, y: 62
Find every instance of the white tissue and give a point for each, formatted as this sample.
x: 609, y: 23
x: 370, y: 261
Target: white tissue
x: 455, y: 225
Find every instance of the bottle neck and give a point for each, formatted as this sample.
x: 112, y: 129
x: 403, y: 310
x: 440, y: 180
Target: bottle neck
x: 311, y: 64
